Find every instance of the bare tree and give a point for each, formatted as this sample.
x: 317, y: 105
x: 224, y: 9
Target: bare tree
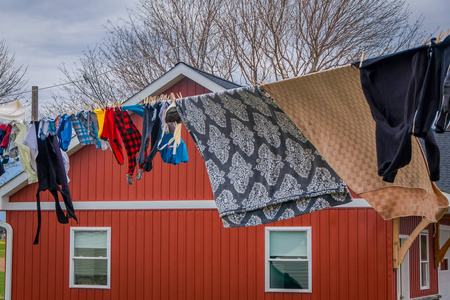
x: 247, y: 41
x: 11, y: 77
x: 79, y: 95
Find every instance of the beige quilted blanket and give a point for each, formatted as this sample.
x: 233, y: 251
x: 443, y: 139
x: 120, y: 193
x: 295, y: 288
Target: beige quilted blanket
x: 329, y: 107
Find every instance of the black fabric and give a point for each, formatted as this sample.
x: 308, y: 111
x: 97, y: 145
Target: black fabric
x: 442, y: 66
x: 52, y: 177
x: 151, y: 125
x: 2, y: 170
x: 404, y: 92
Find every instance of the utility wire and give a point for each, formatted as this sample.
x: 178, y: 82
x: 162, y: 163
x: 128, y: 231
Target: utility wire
x: 173, y: 48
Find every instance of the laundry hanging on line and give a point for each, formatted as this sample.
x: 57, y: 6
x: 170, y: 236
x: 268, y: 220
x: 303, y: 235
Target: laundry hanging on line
x: 330, y: 108
x: 408, y: 93
x: 261, y: 167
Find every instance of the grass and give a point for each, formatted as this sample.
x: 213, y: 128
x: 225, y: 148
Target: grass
x: 2, y: 284
x: 2, y: 274
x: 2, y: 248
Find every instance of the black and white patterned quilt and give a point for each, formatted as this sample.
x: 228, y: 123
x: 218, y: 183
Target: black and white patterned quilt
x: 261, y: 167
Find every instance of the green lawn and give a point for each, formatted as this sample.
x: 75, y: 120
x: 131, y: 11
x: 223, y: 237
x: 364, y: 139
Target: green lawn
x: 2, y: 284
x: 2, y: 248
x: 2, y: 274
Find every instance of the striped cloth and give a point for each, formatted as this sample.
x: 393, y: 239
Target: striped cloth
x: 85, y: 129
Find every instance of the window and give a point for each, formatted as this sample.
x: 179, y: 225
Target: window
x: 424, y: 261
x: 444, y: 265
x: 90, y: 257
x: 288, y: 259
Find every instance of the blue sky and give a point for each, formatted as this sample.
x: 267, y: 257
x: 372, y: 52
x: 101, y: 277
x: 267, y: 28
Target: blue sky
x: 46, y: 33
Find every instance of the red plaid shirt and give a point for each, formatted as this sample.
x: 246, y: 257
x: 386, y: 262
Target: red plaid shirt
x: 131, y: 137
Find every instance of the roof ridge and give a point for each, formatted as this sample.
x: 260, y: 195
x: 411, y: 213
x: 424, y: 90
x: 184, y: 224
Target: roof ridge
x: 201, y: 71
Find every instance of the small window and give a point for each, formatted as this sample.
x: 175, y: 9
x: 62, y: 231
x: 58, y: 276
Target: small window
x: 288, y: 259
x: 444, y: 265
x: 424, y: 261
x: 90, y: 257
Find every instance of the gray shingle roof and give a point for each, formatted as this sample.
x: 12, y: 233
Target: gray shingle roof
x: 443, y: 141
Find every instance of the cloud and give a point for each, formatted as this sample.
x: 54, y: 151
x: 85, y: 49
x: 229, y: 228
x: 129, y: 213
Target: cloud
x: 44, y: 34
x: 435, y: 12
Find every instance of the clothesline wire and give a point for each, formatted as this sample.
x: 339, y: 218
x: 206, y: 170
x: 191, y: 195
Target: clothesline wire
x: 173, y: 48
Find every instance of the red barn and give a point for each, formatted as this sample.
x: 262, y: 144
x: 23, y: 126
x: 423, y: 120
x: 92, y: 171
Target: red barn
x: 162, y: 237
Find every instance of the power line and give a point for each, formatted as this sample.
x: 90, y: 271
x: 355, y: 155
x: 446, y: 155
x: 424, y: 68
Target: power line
x: 173, y: 48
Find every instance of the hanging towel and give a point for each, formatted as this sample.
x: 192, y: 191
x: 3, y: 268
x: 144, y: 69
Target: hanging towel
x: 330, y: 109
x: 12, y: 111
x: 30, y: 140
x: 261, y: 167
x: 24, y: 153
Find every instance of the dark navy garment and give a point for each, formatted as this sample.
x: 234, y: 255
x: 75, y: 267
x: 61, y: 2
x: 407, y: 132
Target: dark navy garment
x: 404, y: 92
x: 52, y: 177
x: 151, y: 125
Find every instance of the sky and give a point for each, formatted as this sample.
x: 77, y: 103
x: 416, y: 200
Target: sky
x: 43, y: 34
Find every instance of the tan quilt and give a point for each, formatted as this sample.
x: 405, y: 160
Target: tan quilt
x: 329, y: 107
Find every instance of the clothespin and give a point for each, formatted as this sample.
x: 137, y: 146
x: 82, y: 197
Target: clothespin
x: 362, y: 59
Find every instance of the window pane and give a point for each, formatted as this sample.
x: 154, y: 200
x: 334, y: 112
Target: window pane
x: 288, y: 244
x: 90, y: 243
x: 424, y: 279
x: 90, y: 271
x: 423, y: 248
x: 289, y: 274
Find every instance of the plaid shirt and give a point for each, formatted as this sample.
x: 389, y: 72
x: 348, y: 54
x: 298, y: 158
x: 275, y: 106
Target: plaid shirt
x: 131, y: 137
x: 84, y: 128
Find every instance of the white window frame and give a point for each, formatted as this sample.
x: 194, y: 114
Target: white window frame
x: 427, y: 261
x: 268, y: 259
x: 72, y: 258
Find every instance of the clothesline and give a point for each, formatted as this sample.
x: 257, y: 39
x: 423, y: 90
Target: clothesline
x: 256, y: 156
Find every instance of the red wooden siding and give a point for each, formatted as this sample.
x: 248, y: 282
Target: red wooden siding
x: 407, y: 226
x: 187, y: 254
x: 96, y: 176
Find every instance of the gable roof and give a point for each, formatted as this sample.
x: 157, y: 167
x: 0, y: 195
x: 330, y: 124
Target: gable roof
x: 178, y: 72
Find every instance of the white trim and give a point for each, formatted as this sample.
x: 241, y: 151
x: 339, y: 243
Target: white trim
x: 8, y: 258
x: 170, y: 78
x: 132, y: 205
x: 357, y: 202
x: 405, y: 263
x: 117, y: 205
x: 444, y: 228
x: 267, y: 257
x: 108, y: 258
x: 427, y: 286
x: 447, y: 195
